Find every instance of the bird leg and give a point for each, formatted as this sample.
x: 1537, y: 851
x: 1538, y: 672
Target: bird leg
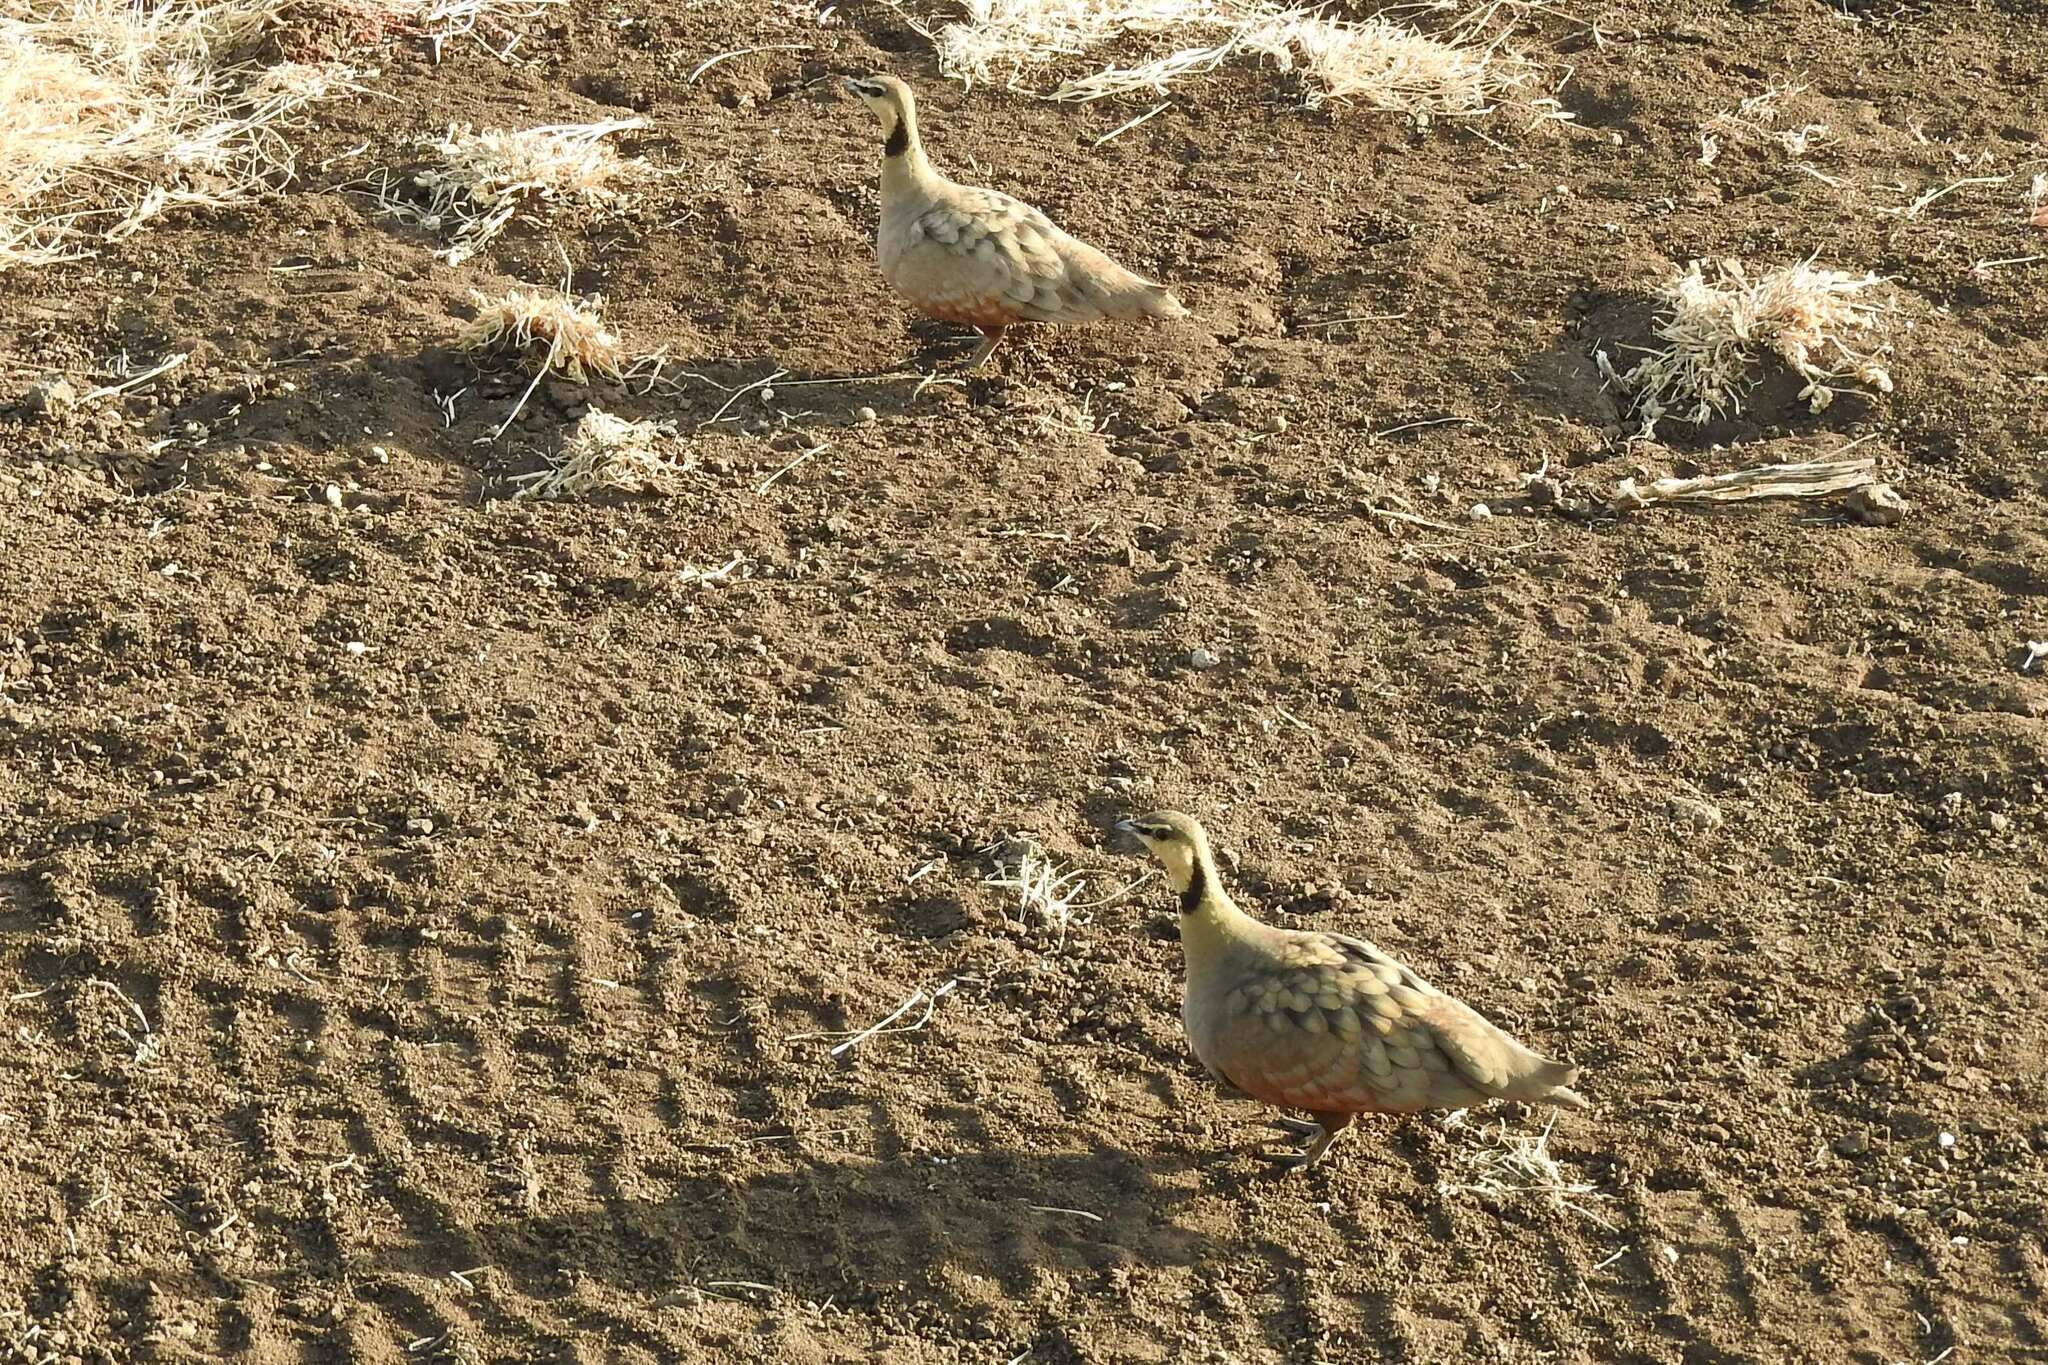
x: 989, y: 337
x: 1310, y: 1140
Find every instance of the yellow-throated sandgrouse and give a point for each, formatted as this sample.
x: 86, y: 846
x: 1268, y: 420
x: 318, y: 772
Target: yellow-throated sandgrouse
x: 1323, y: 1022
x: 979, y: 257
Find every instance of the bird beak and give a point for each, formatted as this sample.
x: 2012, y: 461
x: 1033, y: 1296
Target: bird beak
x: 851, y: 86
x: 1131, y: 840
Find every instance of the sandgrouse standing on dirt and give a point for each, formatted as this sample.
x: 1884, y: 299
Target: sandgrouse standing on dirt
x: 979, y: 257
x: 1326, y: 1023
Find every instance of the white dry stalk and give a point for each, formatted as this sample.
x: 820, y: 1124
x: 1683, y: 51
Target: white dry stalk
x: 148, y: 1045
x: 113, y: 113
x: 1718, y: 332
x: 1375, y: 62
x: 477, y: 182
x: 1800, y: 479
x: 1753, y: 121
x: 1048, y: 899
x: 1517, y: 1165
x: 603, y: 453
x: 855, y: 1037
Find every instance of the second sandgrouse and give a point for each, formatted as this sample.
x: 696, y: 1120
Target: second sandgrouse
x: 1324, y: 1022
x: 979, y: 257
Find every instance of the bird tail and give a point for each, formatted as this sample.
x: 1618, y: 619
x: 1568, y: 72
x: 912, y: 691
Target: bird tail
x: 1565, y: 1098
x: 1552, y: 1085
x: 1160, y: 303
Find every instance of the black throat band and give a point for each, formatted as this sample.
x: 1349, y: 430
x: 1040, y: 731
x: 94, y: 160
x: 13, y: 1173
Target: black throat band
x: 899, y: 140
x: 1198, y: 886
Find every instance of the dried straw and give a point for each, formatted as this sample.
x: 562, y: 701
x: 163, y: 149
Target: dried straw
x: 115, y: 113
x: 1720, y: 331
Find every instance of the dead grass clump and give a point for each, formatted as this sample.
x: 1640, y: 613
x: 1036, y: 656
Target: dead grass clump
x: 1375, y: 62
x: 550, y: 332
x: 1387, y: 66
x: 1720, y: 329
x: 1505, y: 1166
x: 607, y: 454
x: 114, y: 113
x: 1048, y: 899
x: 478, y: 182
x: 1754, y: 122
x: 441, y: 22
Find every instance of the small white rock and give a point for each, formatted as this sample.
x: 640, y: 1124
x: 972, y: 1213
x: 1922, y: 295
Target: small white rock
x: 1947, y: 1140
x: 333, y: 494
x: 865, y: 415
x: 1669, y: 1253
x: 1479, y: 511
x: 1693, y: 813
x: 1204, y: 658
x: 357, y: 648
x: 768, y: 395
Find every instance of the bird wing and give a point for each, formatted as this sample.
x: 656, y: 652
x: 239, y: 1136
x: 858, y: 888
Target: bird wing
x: 1333, y: 1024
x: 979, y: 253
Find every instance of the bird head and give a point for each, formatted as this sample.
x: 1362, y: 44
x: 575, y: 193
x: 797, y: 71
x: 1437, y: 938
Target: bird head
x: 889, y: 98
x: 1176, y: 840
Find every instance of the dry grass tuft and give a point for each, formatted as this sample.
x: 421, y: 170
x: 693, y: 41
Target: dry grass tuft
x: 1721, y: 329
x: 1387, y: 66
x: 113, y: 113
x: 478, y: 182
x: 1507, y: 1166
x: 1048, y: 900
x: 553, y: 331
x: 607, y: 454
x: 550, y: 332
x: 441, y: 22
x: 1754, y: 122
x: 1375, y: 62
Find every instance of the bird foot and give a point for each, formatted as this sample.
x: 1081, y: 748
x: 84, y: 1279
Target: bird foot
x: 1304, y: 1146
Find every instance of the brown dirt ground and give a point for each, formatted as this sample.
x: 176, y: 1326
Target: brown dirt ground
x: 555, y: 1044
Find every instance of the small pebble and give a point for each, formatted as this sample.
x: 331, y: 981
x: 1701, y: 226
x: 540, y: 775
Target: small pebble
x: 357, y: 648
x: 1693, y: 813
x: 1204, y: 658
x: 52, y: 397
x: 1852, y: 1144
x: 332, y: 493
x: 1947, y: 1140
x: 1877, y: 504
x: 1479, y: 511
x: 865, y: 415
x: 419, y: 825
